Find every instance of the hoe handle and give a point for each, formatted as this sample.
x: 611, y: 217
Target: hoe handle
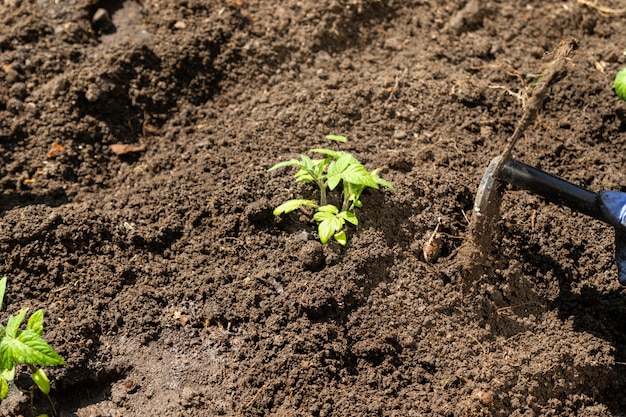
x: 606, y: 206
x: 553, y: 189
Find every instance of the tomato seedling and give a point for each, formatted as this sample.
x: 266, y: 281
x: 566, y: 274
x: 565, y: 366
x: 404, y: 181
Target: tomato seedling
x: 24, y: 347
x: 327, y: 174
x: 619, y: 85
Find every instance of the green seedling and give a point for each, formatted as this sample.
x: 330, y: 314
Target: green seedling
x: 334, y: 169
x: 619, y: 85
x: 24, y: 347
x: 536, y: 77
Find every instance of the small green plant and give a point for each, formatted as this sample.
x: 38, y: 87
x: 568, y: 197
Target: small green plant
x: 535, y: 77
x: 619, y: 85
x: 24, y: 347
x: 335, y: 169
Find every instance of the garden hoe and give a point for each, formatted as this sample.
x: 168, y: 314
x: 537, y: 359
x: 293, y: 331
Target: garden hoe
x: 607, y: 206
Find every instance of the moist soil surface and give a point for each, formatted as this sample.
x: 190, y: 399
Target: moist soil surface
x: 136, y: 207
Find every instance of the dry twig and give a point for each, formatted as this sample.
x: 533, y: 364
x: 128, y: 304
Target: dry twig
x: 555, y: 71
x: 602, y: 9
x: 259, y: 391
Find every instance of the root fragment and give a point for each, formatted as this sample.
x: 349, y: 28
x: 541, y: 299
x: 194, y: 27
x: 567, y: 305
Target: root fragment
x: 602, y: 9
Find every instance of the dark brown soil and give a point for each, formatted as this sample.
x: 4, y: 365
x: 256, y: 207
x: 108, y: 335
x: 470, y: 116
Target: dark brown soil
x: 172, y: 290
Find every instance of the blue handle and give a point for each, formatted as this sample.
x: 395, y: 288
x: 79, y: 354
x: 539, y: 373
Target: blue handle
x: 613, y: 205
x: 607, y: 206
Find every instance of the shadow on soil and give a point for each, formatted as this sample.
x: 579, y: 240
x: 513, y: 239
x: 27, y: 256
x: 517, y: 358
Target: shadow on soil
x: 598, y: 313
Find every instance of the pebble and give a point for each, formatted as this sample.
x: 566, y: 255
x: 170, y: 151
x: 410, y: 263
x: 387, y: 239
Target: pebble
x: 101, y: 20
x: 485, y: 397
x: 399, y: 134
x: 311, y: 255
x: 18, y: 90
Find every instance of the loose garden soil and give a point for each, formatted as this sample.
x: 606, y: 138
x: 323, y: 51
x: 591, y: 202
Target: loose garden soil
x: 136, y: 207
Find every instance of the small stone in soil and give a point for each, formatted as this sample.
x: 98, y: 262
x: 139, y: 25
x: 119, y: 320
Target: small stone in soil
x: 311, y: 255
x: 485, y: 397
x: 102, y: 21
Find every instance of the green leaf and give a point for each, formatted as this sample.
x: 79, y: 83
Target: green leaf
x: 322, y: 167
x: 304, y: 176
x: 3, y: 287
x: 328, y: 208
x: 381, y: 181
x: 4, y: 388
x: 340, y: 165
x: 35, y: 322
x: 337, y: 169
x: 619, y: 85
x: 345, y: 160
x: 28, y: 348
x: 8, y: 374
x: 283, y: 164
x: 315, y: 167
x: 40, y: 378
x: 341, y: 238
x: 14, y: 322
x: 333, y: 181
x: 337, y: 138
x: 384, y: 183
x: 334, y: 176
x: 328, y: 227
x: 357, y: 174
x: 349, y: 217
x: 320, y: 216
x: 291, y: 205
x: 308, y: 164
x: 7, y: 362
x: 329, y: 152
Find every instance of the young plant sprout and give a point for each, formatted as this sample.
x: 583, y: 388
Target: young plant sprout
x: 335, y: 169
x: 24, y: 347
x: 619, y: 85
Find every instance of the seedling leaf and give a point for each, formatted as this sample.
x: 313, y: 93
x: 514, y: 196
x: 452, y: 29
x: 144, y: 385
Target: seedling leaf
x: 329, y: 208
x: 7, y: 363
x: 329, y: 152
x: 28, y: 347
x: 14, y: 323
x: 341, y: 238
x: 8, y: 374
x: 334, y: 175
x: 349, y: 217
x: 309, y: 164
x: 291, y: 205
x: 35, y: 322
x: 25, y: 347
x: 337, y: 169
x: 619, y: 85
x: 384, y: 183
x: 333, y: 181
x: 3, y: 287
x: 357, y: 174
x: 337, y: 138
x: 41, y: 379
x: 304, y: 176
x: 328, y: 227
x: 381, y: 181
x: 283, y: 164
x: 4, y: 388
